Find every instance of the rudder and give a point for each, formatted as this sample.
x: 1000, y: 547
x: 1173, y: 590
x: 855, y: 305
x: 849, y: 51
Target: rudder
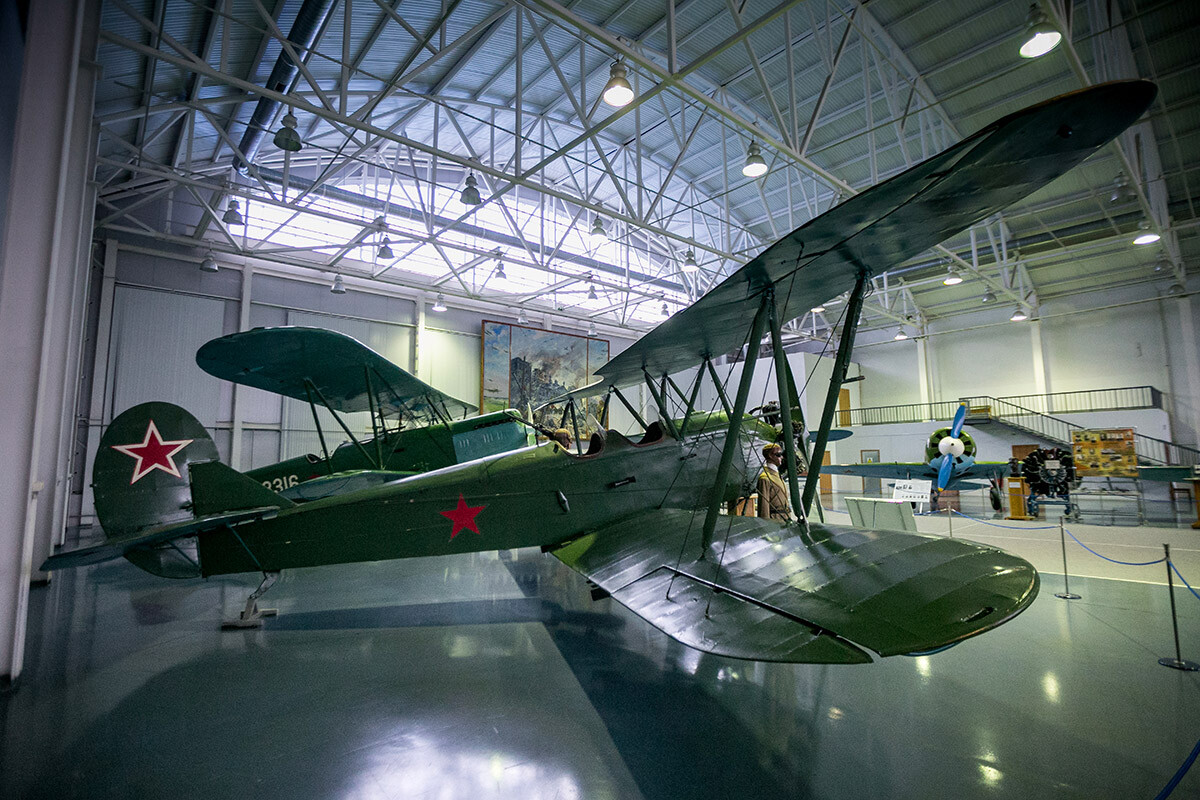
x: 140, y: 473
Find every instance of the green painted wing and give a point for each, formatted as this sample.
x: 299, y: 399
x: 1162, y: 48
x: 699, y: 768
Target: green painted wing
x: 280, y: 360
x: 890, y: 223
x: 780, y: 598
x: 896, y: 469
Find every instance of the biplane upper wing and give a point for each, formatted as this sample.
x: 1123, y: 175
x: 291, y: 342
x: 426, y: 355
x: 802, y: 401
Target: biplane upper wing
x: 898, y: 470
x: 829, y: 599
x: 293, y: 360
x: 890, y: 223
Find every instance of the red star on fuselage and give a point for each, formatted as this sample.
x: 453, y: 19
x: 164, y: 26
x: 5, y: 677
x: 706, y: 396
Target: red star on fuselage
x: 463, y: 516
x: 153, y: 453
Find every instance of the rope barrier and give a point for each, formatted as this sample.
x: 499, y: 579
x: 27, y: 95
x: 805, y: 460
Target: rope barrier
x: 1185, y: 583
x: 1006, y: 527
x: 1113, y: 560
x: 1183, y: 768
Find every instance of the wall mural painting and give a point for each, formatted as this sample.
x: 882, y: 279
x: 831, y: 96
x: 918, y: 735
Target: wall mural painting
x: 524, y: 367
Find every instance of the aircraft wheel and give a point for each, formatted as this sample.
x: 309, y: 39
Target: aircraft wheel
x: 994, y: 496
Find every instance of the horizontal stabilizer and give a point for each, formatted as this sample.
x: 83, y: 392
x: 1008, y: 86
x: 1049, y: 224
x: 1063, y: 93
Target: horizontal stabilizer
x: 765, y: 593
x: 116, y: 548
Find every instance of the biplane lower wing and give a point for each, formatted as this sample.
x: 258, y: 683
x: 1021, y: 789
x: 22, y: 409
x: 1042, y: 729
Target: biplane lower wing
x: 765, y: 593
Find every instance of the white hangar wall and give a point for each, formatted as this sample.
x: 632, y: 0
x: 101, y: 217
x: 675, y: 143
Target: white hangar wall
x: 1101, y: 340
x: 162, y: 308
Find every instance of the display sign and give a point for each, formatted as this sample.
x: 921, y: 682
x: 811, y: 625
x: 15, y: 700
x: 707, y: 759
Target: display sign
x: 915, y: 489
x: 1104, y: 453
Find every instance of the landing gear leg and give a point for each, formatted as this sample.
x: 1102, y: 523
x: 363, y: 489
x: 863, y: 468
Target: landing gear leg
x: 252, y: 616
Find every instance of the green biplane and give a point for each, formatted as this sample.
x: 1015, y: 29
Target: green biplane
x: 642, y: 519
x: 337, y: 372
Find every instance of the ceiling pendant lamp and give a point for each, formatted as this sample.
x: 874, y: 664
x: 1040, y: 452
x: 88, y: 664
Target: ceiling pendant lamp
x: 209, y: 264
x: 818, y: 309
x: 1019, y: 315
x: 286, y: 137
x: 989, y: 296
x: 665, y: 311
x: 1146, y: 235
x: 338, y: 286
x: 952, y: 278
x: 617, y: 92
x: 689, y: 262
x: 439, y: 305
x: 470, y: 194
x: 232, y: 215
x: 900, y: 334
x: 592, y: 293
x: 598, y: 231
x: 1040, y: 36
x: 385, y: 250
x: 592, y: 329
x: 755, y: 166
x: 522, y: 318
x: 499, y: 274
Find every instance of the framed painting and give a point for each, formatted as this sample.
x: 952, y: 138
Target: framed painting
x: 524, y: 367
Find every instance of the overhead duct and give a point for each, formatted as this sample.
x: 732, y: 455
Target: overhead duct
x: 310, y: 19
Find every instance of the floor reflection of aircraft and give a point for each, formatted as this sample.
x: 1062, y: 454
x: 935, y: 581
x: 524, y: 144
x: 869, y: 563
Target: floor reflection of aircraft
x: 642, y: 519
x: 949, y: 464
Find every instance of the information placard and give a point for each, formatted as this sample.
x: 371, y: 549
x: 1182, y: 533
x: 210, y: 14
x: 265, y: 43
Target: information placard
x: 913, y: 489
x: 1104, y: 452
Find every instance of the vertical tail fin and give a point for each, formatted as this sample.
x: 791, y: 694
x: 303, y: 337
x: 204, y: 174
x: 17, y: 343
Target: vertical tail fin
x: 140, y: 476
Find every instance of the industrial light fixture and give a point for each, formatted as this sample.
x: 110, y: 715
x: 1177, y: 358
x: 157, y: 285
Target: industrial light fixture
x: 617, y: 92
x: 818, y: 309
x: 338, y: 287
x: 439, y: 305
x: 754, y: 166
x: 952, y: 278
x: 689, y: 262
x: 900, y: 335
x: 592, y: 293
x: 232, y: 215
x: 598, y: 231
x: 989, y: 296
x: 499, y: 275
x: 1019, y: 315
x: 385, y: 250
x: 1121, y: 192
x: 1040, y: 36
x: 1176, y: 289
x: 522, y: 318
x: 1145, y: 234
x: 592, y: 329
x: 286, y: 137
x: 209, y: 264
x: 1162, y: 265
x: 470, y: 195
x: 665, y: 312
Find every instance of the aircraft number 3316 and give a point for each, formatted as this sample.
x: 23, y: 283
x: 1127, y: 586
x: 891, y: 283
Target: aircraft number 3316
x: 282, y: 482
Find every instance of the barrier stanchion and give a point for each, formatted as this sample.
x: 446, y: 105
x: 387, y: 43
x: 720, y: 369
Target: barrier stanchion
x: 950, y: 520
x: 1065, y: 594
x: 1178, y: 662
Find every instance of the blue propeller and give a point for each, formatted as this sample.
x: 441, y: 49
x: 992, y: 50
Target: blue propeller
x: 951, y: 447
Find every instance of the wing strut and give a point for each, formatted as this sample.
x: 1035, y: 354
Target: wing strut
x: 840, y: 365
x: 782, y: 374
x: 720, y: 387
x: 312, y: 387
x: 630, y: 408
x: 317, y: 421
x: 691, y: 400
x: 660, y: 400
x: 735, y: 418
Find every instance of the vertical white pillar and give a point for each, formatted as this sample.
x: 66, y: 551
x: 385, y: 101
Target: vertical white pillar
x: 418, y: 336
x: 1191, y: 363
x: 1041, y: 383
x: 235, y: 439
x: 923, y: 382
x: 37, y: 262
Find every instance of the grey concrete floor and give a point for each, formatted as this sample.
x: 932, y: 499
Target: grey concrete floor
x: 496, y: 676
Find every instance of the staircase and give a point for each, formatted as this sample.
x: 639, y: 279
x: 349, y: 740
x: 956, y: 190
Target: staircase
x: 1151, y: 451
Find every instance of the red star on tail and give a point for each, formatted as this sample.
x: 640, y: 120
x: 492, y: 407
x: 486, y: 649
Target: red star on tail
x: 153, y: 453
x: 463, y: 516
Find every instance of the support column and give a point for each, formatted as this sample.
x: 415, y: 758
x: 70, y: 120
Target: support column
x: 235, y: 439
x: 418, y: 336
x: 1191, y: 367
x: 923, y: 382
x: 39, y: 282
x: 1041, y: 384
